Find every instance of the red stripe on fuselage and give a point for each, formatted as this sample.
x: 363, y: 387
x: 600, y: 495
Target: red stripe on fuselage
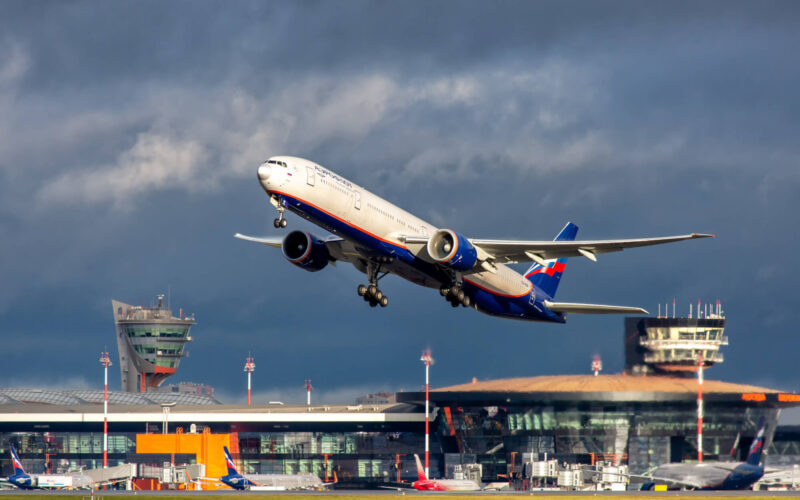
x: 498, y: 293
x: 395, y: 244
x: 340, y: 219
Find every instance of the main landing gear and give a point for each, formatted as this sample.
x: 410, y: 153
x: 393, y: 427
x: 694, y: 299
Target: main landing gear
x: 455, y: 295
x: 371, y: 292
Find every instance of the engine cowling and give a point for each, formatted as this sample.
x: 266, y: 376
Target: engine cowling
x: 453, y: 250
x: 305, y: 250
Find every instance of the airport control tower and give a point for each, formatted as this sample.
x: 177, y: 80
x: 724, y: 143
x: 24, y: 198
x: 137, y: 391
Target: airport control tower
x: 151, y: 343
x: 669, y: 345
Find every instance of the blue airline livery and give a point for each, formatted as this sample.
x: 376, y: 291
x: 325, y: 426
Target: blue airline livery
x: 379, y: 238
x: 713, y: 475
x: 268, y: 482
x: 20, y: 478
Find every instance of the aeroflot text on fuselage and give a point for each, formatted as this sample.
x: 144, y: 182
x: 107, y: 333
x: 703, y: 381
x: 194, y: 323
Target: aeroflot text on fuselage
x: 379, y: 239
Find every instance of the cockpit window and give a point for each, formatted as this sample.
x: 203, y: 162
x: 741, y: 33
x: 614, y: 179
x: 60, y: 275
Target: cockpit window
x: 280, y: 163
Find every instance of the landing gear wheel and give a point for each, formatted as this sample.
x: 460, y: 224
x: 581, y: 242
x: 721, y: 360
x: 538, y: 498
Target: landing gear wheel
x: 444, y: 291
x: 372, y: 289
x: 454, y: 303
x: 372, y: 303
x: 284, y: 223
x: 276, y: 223
x: 384, y: 301
x: 466, y: 301
x: 362, y: 290
x: 460, y: 295
x: 378, y: 295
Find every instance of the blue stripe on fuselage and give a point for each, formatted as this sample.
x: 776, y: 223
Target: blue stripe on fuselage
x: 485, y: 300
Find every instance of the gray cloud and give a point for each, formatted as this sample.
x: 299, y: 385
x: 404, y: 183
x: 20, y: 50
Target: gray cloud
x: 131, y: 131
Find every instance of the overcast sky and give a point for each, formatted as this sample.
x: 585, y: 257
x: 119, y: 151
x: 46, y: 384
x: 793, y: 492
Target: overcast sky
x: 130, y: 134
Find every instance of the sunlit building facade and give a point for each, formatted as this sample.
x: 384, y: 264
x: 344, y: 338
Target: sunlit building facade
x: 150, y: 342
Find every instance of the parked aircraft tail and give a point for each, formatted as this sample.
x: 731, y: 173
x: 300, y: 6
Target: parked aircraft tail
x: 420, y: 470
x: 754, y: 457
x: 16, y: 462
x: 548, y: 278
x: 229, y: 461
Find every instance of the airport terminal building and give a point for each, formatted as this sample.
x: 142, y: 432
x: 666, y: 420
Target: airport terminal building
x: 642, y: 417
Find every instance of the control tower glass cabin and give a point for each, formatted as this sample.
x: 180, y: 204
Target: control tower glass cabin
x: 151, y: 343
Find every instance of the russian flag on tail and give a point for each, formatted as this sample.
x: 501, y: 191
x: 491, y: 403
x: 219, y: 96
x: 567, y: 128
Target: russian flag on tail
x: 547, y: 278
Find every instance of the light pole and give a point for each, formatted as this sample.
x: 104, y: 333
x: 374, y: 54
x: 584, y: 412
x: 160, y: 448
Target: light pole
x: 165, y: 411
x: 699, y: 406
x: 428, y: 360
x: 249, y: 367
x: 104, y: 359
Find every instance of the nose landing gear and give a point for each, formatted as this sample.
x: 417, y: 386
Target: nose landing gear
x: 281, y: 220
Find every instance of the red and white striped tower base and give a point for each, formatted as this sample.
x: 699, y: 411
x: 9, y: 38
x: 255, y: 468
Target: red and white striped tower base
x: 249, y: 367
x: 699, y: 406
x: 308, y: 392
x: 105, y: 360
x: 428, y: 360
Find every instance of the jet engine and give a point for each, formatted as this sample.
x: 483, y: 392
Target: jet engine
x: 453, y: 250
x: 305, y: 250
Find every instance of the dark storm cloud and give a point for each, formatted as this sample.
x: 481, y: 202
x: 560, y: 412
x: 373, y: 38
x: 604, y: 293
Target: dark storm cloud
x: 131, y: 130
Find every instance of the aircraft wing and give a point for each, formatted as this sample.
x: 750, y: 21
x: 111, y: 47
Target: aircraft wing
x: 338, y: 248
x: 575, y: 308
x: 273, y: 241
x: 511, y: 252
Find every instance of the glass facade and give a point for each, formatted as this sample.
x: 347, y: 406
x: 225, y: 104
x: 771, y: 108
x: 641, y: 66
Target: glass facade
x: 161, y: 345
x: 642, y: 435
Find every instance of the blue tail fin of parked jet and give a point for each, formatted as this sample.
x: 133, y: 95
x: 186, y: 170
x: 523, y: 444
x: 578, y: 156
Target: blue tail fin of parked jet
x: 754, y: 457
x: 229, y: 462
x: 548, y: 278
x: 16, y: 462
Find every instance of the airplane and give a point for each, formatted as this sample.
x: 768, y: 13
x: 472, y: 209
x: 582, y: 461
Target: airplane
x: 425, y: 484
x: 712, y: 475
x: 379, y: 238
x: 265, y: 482
x: 20, y: 478
x: 25, y: 481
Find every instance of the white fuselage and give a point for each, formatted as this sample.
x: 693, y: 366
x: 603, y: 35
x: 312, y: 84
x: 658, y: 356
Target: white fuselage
x: 355, y: 213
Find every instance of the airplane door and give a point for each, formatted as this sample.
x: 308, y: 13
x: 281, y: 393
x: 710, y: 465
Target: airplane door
x: 310, y: 176
x: 357, y: 200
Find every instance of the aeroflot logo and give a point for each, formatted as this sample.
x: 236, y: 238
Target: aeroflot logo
x: 322, y: 171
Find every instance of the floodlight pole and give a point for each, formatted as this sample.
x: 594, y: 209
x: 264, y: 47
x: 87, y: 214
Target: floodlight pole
x: 249, y: 367
x: 699, y: 406
x: 428, y: 360
x: 105, y: 360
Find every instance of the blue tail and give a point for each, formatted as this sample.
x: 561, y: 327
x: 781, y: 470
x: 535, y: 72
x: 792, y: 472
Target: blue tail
x: 754, y: 457
x: 548, y: 278
x: 229, y: 461
x: 16, y: 462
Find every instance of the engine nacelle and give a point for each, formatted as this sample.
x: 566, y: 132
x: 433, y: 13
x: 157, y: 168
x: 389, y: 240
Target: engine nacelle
x: 305, y: 250
x: 453, y: 250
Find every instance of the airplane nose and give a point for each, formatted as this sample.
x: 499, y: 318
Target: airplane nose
x: 264, y: 171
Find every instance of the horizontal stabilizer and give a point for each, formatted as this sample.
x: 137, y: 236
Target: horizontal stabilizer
x: 571, y: 307
x: 273, y: 242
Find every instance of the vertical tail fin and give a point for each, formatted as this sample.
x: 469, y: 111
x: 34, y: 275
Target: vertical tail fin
x: 16, y: 462
x: 229, y: 461
x: 420, y: 470
x: 754, y: 457
x: 548, y: 278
